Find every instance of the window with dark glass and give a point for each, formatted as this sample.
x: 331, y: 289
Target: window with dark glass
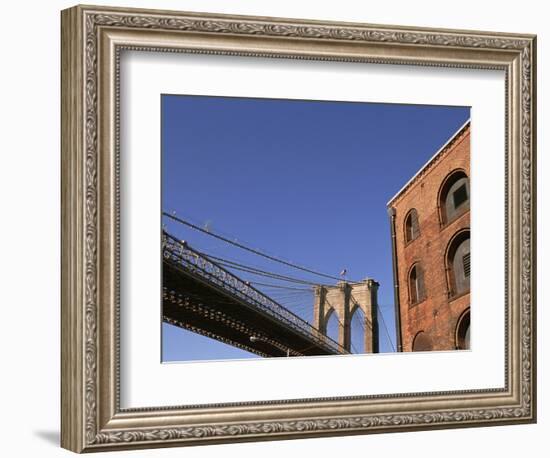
x: 416, y: 284
x: 463, y: 332
x: 460, y: 196
x: 412, y: 230
x: 455, y: 197
x: 459, y: 264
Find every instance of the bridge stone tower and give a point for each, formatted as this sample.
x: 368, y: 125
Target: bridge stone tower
x: 344, y: 299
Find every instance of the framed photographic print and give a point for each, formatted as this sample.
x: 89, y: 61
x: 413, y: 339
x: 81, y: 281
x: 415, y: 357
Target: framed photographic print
x: 278, y: 228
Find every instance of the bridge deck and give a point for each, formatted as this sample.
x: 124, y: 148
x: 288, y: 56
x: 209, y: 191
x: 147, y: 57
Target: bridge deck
x: 201, y: 296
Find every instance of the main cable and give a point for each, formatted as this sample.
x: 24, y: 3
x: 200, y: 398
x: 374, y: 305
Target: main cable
x: 251, y: 250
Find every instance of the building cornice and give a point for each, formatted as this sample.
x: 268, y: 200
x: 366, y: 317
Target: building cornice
x: 455, y: 138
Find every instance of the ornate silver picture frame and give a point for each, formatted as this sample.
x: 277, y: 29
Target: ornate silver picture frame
x: 93, y: 39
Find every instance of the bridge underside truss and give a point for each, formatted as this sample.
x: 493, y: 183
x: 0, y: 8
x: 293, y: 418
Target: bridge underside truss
x: 193, y: 303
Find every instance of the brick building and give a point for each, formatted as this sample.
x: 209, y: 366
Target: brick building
x: 430, y: 225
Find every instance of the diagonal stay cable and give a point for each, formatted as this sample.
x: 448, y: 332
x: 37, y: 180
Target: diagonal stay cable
x: 270, y: 285
x: 251, y: 250
x: 385, y: 327
x: 232, y: 265
x: 251, y: 269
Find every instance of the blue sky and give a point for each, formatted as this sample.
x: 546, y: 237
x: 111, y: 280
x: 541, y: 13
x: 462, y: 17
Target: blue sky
x: 306, y: 181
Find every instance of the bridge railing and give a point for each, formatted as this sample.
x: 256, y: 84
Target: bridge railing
x: 199, y: 264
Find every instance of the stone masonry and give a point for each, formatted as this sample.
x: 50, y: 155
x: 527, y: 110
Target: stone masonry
x: 343, y: 300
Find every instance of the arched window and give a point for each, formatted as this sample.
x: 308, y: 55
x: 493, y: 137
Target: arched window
x: 454, y: 197
x: 412, y: 229
x: 463, y: 331
x: 422, y: 342
x: 458, y: 264
x: 416, y: 284
x: 332, y: 325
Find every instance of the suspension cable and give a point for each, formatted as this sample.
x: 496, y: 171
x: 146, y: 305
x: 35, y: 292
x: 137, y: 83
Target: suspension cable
x: 385, y: 327
x: 251, y: 269
x: 232, y: 265
x: 270, y: 285
x: 251, y: 250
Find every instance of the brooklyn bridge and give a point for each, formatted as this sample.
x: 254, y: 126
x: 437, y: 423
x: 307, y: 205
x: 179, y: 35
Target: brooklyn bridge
x: 207, y: 295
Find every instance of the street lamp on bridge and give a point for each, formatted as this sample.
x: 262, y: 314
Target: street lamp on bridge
x: 269, y: 341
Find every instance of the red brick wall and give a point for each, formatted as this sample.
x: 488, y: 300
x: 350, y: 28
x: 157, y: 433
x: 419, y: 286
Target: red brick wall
x: 438, y: 313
